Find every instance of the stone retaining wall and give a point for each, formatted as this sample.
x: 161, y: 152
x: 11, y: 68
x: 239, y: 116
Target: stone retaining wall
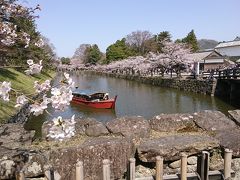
x: 119, y: 140
x: 191, y: 85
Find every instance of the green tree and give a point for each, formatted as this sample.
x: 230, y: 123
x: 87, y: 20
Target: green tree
x: 92, y: 54
x: 19, y: 53
x: 161, y: 38
x: 191, y: 40
x: 178, y: 41
x: 164, y: 35
x: 65, y: 60
x: 117, y: 51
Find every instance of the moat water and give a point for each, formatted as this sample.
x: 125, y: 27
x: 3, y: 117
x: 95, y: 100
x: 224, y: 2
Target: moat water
x: 134, y: 99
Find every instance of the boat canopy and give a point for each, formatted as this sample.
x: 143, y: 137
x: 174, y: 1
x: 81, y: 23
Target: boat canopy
x: 91, y: 97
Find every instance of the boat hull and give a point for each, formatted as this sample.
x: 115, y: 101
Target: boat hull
x: 105, y: 104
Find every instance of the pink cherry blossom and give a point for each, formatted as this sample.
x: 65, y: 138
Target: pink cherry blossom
x: 62, y: 129
x: 61, y: 97
x: 39, y: 43
x: 70, y: 82
x: 21, y: 100
x: 5, y: 88
x: 37, y: 108
x: 42, y: 87
x: 33, y: 68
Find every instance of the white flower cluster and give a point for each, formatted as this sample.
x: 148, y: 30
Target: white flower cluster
x: 70, y: 82
x: 9, y: 35
x: 34, y: 68
x: 61, y: 97
x: 26, y: 39
x: 62, y: 129
x: 39, y: 43
x: 42, y: 87
x: 8, y: 32
x: 21, y: 100
x: 13, y: 9
x: 5, y: 88
x: 38, y: 108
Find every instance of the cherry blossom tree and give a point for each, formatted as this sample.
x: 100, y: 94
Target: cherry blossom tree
x: 174, y: 59
x: 60, y: 96
x: 177, y: 56
x: 159, y: 63
x: 8, y: 30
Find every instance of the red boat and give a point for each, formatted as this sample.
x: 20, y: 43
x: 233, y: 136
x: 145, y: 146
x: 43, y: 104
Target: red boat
x: 96, y: 100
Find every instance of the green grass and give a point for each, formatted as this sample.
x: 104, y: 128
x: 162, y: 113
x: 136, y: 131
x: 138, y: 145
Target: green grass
x: 23, y: 84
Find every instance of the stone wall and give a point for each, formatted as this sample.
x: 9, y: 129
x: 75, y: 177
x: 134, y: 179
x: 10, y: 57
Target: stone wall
x: 228, y: 90
x: 122, y: 139
x: 191, y: 85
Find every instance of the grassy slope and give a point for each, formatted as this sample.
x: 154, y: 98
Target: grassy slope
x: 21, y: 82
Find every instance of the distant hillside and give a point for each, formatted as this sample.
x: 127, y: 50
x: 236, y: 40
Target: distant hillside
x: 206, y: 44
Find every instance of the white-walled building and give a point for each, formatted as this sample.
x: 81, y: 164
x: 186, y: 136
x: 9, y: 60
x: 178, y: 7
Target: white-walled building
x: 230, y: 48
x: 218, y: 57
x: 208, y: 60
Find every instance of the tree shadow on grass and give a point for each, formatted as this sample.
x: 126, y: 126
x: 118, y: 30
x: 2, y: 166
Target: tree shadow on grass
x: 7, y: 73
x: 6, y: 112
x: 45, y: 73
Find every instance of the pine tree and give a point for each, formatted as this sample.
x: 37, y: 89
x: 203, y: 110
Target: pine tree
x: 164, y: 35
x: 191, y: 40
x: 161, y: 37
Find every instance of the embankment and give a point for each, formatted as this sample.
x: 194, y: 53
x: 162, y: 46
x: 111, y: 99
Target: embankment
x: 191, y: 85
x: 22, y: 83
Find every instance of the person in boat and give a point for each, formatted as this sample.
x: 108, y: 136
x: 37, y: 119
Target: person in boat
x: 106, y: 96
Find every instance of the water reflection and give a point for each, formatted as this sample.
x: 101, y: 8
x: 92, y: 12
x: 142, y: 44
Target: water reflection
x: 104, y: 114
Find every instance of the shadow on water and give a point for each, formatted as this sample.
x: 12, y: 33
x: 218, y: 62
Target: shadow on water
x: 104, y: 115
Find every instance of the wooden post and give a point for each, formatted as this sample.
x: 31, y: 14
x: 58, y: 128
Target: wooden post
x: 227, y: 163
x: 20, y: 175
x: 132, y: 168
x: 206, y: 164
x: 48, y: 174
x: 79, y: 170
x: 159, y: 168
x: 106, y: 169
x: 183, y: 166
x: 203, y: 165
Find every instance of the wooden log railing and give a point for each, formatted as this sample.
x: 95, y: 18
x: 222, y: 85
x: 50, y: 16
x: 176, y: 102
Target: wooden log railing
x: 202, y: 173
x: 233, y: 73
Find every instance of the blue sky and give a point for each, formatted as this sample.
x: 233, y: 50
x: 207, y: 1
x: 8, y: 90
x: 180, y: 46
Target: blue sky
x: 70, y: 23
